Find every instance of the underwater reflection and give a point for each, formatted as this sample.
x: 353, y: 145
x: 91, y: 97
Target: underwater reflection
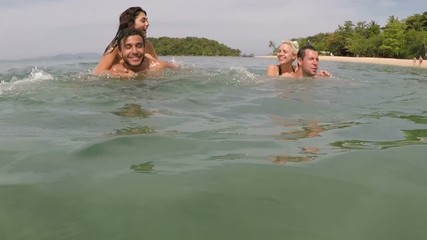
x: 312, y: 129
x: 418, y: 119
x: 230, y: 156
x: 304, y: 129
x: 412, y: 137
x: 294, y: 159
x: 133, y: 131
x: 132, y: 110
x: 147, y: 167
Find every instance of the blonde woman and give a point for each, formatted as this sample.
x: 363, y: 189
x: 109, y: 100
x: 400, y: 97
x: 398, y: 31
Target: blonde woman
x: 286, y: 54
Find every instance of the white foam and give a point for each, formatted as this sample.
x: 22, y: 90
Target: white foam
x: 36, y: 76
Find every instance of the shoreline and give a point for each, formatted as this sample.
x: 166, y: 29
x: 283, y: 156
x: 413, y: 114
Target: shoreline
x: 383, y: 61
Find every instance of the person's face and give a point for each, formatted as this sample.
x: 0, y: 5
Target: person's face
x: 284, y: 54
x: 310, y: 63
x: 132, y: 50
x: 141, y: 22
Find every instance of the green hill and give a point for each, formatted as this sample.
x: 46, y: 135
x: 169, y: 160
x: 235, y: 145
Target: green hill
x: 191, y: 46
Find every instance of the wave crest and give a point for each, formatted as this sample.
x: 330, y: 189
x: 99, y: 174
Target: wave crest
x: 17, y: 84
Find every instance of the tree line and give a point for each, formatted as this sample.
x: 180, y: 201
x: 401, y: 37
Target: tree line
x: 406, y: 38
x: 191, y: 46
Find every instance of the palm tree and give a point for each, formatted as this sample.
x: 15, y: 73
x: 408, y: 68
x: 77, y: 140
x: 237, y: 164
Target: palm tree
x: 273, y: 47
x: 416, y: 22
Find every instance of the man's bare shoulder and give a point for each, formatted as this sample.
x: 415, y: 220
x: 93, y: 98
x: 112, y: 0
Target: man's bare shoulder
x: 156, y: 64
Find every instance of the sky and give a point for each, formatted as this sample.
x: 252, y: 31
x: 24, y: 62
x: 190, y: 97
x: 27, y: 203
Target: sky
x: 38, y: 28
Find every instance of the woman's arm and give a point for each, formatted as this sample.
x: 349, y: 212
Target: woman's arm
x: 149, y: 48
x: 106, y: 62
x: 119, y: 71
x: 272, y: 71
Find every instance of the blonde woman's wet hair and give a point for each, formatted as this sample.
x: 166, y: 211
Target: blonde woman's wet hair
x: 293, y: 44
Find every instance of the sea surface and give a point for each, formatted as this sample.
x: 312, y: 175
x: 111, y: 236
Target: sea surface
x: 215, y: 150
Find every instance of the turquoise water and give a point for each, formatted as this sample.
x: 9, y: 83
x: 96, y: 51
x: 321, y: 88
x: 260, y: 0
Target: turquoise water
x: 214, y: 151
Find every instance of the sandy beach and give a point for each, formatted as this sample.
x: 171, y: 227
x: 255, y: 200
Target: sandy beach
x: 386, y: 61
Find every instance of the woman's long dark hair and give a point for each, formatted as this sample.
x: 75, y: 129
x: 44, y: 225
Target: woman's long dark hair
x: 127, y: 20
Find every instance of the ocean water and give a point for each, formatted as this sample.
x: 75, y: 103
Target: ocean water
x: 213, y: 151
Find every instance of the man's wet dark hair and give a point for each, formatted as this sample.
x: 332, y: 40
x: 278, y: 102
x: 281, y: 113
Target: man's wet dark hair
x: 125, y: 33
x: 301, y: 51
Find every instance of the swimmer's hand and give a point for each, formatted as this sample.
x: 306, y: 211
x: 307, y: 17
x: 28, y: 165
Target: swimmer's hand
x: 147, y: 55
x: 323, y: 73
x: 120, y: 71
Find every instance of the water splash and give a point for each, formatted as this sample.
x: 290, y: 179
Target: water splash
x: 23, y: 84
x: 39, y: 75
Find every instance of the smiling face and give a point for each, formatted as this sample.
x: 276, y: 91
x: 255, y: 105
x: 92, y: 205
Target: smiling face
x: 132, y: 50
x: 309, y: 63
x: 141, y: 22
x: 284, y: 54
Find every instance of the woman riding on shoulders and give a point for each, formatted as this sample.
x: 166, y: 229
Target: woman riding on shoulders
x: 133, y: 17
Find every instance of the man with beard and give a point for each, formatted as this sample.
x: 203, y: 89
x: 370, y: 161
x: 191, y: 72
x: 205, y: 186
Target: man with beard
x: 308, y: 63
x: 132, y: 51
